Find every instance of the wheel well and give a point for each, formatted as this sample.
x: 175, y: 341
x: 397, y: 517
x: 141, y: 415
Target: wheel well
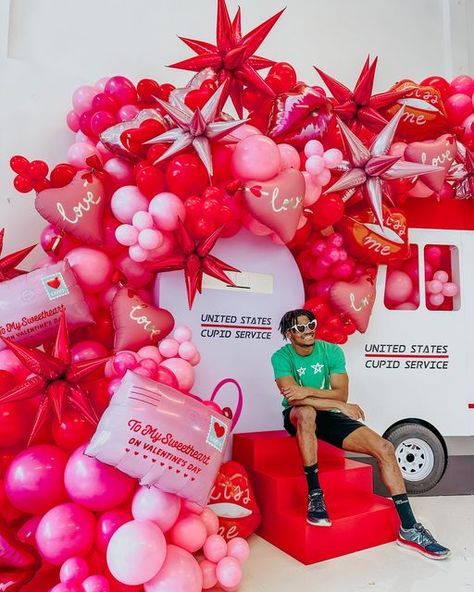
x: 422, y: 422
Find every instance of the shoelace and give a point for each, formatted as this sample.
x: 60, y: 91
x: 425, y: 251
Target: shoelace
x: 316, y: 502
x: 425, y: 534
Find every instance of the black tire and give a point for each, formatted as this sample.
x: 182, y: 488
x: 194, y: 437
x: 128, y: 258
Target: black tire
x: 420, y: 455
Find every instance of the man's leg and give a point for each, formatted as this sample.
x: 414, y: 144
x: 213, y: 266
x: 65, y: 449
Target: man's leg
x: 412, y: 534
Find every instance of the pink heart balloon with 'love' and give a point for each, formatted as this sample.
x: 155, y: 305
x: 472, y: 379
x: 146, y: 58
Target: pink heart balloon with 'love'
x: 278, y: 202
x: 355, y: 300
x: 137, y: 323
x: 440, y: 152
x: 76, y: 208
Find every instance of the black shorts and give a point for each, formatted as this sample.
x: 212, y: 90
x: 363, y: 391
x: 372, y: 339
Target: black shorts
x: 330, y: 426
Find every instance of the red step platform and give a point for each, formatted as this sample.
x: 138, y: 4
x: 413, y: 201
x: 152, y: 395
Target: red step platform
x: 360, y: 519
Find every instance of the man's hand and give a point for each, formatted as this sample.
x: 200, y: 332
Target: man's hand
x: 295, y: 393
x: 353, y: 411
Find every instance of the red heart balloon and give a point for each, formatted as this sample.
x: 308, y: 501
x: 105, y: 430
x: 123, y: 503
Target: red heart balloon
x: 14, y: 580
x: 440, y: 152
x: 364, y: 237
x: 138, y: 323
x: 277, y: 203
x: 18, y: 562
x: 233, y: 500
x: 76, y: 208
x: 355, y: 300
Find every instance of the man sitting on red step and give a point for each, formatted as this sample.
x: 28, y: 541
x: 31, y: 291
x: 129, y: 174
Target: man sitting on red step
x: 312, y: 378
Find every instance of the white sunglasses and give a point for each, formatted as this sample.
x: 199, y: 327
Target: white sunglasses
x: 302, y: 328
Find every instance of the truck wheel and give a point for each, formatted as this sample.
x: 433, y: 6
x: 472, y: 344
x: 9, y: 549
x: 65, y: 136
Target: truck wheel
x: 420, y: 455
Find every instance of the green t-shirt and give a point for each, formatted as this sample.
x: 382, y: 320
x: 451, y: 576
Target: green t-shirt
x: 313, y: 370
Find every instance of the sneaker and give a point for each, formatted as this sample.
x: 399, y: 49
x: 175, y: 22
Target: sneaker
x: 317, y: 513
x: 420, y: 539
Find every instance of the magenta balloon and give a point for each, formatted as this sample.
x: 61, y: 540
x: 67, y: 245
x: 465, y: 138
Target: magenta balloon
x: 162, y: 508
x: 96, y: 583
x: 65, y: 531
x: 95, y: 485
x: 34, y: 482
x: 74, y: 570
x: 256, y: 157
x: 88, y: 350
x: 107, y: 524
x: 26, y: 533
x: 121, y: 89
x: 180, y: 573
x: 136, y: 552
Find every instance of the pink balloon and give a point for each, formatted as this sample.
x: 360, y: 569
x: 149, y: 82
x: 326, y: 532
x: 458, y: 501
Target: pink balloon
x: 150, y: 239
x: 162, y: 508
x: 215, y: 548
x: 34, y: 479
x: 441, y: 276
x: 183, y: 371
x: 168, y: 348
x: 195, y: 360
x: 420, y: 190
x: 137, y: 254
x: 229, y: 572
x: 100, y: 84
x: 74, y: 570
x: 80, y: 137
x: 72, y: 120
x: 121, y: 89
x: 398, y: 286
x: 150, y: 351
x: 123, y: 361
x: 142, y: 220
x: 136, y: 274
x: 208, y: 570
x: 435, y: 287
x: 82, y: 98
x: 256, y: 157
x: 69, y: 587
x: 96, y: 485
x: 433, y: 255
x: 127, y: 201
x: 92, y: 267
x: 458, y: 107
x: 88, y: 350
x: 180, y: 573
x: 312, y: 191
x: 255, y: 226
x: 126, y: 235
x: 313, y: 148
x: 182, y: 334
x: 128, y: 112
x: 332, y: 158
x: 96, y: 583
x: 436, y: 299
x: 65, y: 531
x: 189, y: 533
x: 238, y: 548
x: 463, y: 84
x: 187, y: 350
x: 406, y: 306
x: 167, y: 209
x: 323, y: 178
x: 165, y: 249
x: 210, y: 521
x: 397, y: 149
x: 143, y: 545
x: 289, y: 157
x: 245, y: 130
x: 107, y: 524
x: 450, y: 289
x: 315, y: 165
x: 120, y: 171
x: 79, y: 152
x: 105, y: 155
x: 468, y: 125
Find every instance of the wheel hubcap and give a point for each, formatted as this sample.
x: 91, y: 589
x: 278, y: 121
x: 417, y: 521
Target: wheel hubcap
x: 415, y: 458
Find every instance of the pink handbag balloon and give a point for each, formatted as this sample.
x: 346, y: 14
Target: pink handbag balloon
x: 277, y: 203
x: 137, y: 323
x: 77, y: 208
x: 31, y: 304
x: 162, y: 437
x: 356, y: 300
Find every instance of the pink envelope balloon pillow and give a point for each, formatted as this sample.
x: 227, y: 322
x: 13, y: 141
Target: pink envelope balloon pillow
x: 162, y: 437
x: 31, y: 304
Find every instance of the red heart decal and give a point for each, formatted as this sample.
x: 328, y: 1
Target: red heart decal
x: 54, y: 283
x: 280, y: 204
x: 256, y: 190
x: 219, y: 430
x: 367, y: 240
x: 137, y: 323
x: 355, y: 300
x: 440, y: 152
x: 77, y: 208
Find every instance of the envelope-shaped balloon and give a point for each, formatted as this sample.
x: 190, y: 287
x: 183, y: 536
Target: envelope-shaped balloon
x: 162, y: 437
x: 31, y: 304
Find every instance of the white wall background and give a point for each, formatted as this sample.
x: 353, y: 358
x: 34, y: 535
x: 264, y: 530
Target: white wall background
x: 50, y: 47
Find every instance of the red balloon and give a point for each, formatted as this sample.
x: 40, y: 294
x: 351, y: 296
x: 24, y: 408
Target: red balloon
x: 281, y: 77
x: 300, y: 238
x: 165, y: 90
x: 7, y: 381
x: 62, y: 174
x: 19, y: 164
x: 22, y: 183
x: 38, y: 170
x: 186, y: 175
x: 319, y: 307
x: 6, y: 457
x: 15, y: 422
x: 150, y: 180
x: 197, y: 98
x: 148, y: 89
x: 440, y: 83
x: 328, y: 210
x: 85, y: 123
x: 122, y: 90
x: 72, y: 431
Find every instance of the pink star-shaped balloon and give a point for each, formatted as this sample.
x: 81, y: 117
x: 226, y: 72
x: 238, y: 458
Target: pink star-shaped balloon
x: 359, y: 107
x: 195, y: 260
x: 8, y: 263
x: 232, y: 57
x: 368, y: 169
x: 56, y: 379
x: 462, y: 173
x: 196, y: 128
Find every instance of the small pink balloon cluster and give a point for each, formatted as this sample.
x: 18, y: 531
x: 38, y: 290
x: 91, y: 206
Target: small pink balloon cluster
x: 440, y: 288
x: 75, y: 576
x: 318, y: 165
x: 171, y: 362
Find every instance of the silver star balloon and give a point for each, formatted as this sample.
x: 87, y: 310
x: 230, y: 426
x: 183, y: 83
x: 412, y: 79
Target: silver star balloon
x: 369, y: 168
x: 196, y: 128
x: 461, y: 173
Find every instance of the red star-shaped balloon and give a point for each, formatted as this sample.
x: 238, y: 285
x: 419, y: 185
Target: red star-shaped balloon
x: 358, y: 108
x: 56, y: 379
x: 9, y: 262
x: 232, y: 57
x: 195, y: 260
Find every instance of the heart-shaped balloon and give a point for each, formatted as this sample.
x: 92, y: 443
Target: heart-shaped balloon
x: 300, y: 115
x: 425, y: 116
x: 278, y: 202
x: 440, y: 152
x: 18, y: 561
x: 355, y: 300
x: 76, y: 208
x: 137, y: 323
x: 364, y: 237
x: 233, y: 500
x: 126, y: 138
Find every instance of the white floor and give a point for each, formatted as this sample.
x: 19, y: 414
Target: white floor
x: 387, y: 568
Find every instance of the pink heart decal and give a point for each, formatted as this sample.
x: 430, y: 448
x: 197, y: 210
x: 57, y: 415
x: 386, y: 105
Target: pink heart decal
x: 137, y: 323
x: 440, y: 152
x: 355, y: 300
x: 280, y: 203
x: 77, y: 208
